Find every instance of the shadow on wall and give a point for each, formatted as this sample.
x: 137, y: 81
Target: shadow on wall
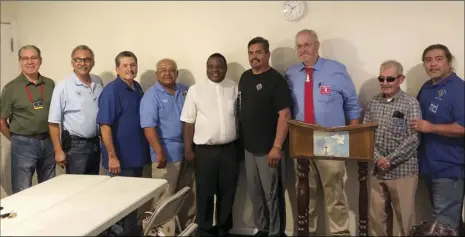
x: 235, y: 71
x: 107, y: 77
x: 147, y: 79
x: 415, y: 78
x: 282, y: 58
x: 186, y: 77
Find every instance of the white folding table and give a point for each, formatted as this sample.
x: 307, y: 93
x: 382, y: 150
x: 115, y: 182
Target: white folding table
x: 43, y: 196
x: 91, y: 211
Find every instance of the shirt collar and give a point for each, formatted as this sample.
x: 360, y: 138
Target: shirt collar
x: 27, y: 82
x: 443, y: 81
x: 161, y: 88
x: 318, y: 65
x: 395, y: 97
x: 79, y: 82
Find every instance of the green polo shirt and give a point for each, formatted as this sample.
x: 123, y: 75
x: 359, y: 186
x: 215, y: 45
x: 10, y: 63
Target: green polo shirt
x: 23, y: 118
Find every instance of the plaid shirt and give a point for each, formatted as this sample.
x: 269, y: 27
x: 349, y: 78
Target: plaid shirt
x: 394, y: 139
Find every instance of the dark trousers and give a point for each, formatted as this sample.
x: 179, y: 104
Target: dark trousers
x: 216, y: 173
x: 83, y: 157
x: 29, y: 154
x: 129, y: 222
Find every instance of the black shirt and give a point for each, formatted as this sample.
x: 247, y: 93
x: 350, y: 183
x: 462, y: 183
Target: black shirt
x: 261, y: 97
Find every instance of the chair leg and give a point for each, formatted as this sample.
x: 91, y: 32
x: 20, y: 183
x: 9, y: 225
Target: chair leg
x: 178, y: 224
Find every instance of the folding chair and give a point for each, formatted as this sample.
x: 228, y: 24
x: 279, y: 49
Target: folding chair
x: 164, y: 212
x: 189, y: 230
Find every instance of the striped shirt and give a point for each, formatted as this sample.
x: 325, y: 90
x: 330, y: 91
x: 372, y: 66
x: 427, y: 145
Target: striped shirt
x: 394, y: 139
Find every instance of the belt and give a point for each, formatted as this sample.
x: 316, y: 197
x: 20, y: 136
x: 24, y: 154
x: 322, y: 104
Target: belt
x: 78, y: 138
x: 214, y: 145
x: 40, y: 136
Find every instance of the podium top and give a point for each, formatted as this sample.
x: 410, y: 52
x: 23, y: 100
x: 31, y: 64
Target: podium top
x: 333, y: 129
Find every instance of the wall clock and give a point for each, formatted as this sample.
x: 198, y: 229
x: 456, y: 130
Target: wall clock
x: 294, y: 10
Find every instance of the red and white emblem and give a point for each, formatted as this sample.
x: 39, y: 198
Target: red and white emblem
x: 325, y: 90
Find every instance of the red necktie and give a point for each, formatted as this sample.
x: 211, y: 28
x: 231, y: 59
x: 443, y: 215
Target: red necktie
x: 309, y: 116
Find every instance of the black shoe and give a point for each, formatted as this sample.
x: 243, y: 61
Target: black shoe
x: 261, y: 234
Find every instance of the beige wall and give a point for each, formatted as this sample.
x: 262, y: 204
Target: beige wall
x: 359, y: 34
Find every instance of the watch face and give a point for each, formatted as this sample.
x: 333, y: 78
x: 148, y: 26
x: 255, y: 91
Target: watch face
x: 293, y: 10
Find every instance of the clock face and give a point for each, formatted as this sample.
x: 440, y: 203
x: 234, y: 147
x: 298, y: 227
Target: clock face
x: 293, y: 10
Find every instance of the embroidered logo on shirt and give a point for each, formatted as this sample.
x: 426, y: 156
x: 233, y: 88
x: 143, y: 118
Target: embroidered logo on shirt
x: 325, y: 90
x: 165, y: 100
x: 259, y: 87
x: 433, y: 108
x: 442, y: 92
x: 79, y: 93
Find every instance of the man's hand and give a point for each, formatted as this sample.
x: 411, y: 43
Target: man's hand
x: 421, y: 125
x: 161, y: 160
x: 189, y: 154
x: 273, y: 157
x: 383, y: 163
x: 113, y: 165
x: 60, y: 158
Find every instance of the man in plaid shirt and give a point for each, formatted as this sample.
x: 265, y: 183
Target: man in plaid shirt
x: 395, y: 175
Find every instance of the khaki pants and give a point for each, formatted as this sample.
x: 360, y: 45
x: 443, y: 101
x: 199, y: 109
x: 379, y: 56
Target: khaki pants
x: 388, y: 196
x: 331, y: 174
x: 179, y: 175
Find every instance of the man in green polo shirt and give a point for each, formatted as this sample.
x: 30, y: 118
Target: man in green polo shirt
x: 24, y: 112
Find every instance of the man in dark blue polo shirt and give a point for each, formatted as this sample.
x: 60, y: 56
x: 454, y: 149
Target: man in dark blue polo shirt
x: 441, y: 152
x: 125, y: 150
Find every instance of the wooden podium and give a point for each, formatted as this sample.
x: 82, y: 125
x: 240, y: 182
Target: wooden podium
x: 307, y: 141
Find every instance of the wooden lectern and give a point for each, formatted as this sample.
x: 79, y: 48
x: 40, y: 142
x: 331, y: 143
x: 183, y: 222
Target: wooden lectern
x: 307, y: 141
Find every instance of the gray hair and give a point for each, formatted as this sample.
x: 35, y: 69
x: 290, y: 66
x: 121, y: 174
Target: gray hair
x: 30, y: 46
x: 310, y: 32
x: 392, y: 63
x: 82, y: 47
x: 167, y: 60
x: 124, y: 54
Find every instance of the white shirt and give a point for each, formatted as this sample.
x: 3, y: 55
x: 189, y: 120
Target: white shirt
x: 212, y: 107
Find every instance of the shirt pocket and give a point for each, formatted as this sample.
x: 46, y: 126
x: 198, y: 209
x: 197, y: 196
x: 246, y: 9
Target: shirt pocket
x: 166, y: 111
x: 397, y: 127
x: 327, y: 102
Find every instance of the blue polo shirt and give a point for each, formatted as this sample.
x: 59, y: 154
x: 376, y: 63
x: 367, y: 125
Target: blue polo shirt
x: 330, y: 107
x: 161, y: 110
x: 443, y: 103
x: 119, y: 108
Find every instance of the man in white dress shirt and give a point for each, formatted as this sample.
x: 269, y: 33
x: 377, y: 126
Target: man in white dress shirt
x: 74, y: 105
x: 209, y: 117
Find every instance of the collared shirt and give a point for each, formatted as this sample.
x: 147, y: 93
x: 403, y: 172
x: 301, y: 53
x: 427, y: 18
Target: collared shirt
x: 119, y: 108
x: 212, y: 107
x: 75, y: 105
x: 394, y: 138
x: 161, y: 110
x: 17, y: 107
x: 443, y: 103
x: 331, y: 105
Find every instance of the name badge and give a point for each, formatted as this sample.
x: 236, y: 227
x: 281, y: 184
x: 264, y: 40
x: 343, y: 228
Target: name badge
x: 38, y: 104
x: 325, y: 90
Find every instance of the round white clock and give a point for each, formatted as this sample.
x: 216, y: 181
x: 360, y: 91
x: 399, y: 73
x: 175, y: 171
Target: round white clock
x: 294, y: 10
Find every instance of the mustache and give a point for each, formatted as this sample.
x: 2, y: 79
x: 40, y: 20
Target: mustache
x: 254, y: 59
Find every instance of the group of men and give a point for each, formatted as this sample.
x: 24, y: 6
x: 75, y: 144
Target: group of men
x: 209, y: 126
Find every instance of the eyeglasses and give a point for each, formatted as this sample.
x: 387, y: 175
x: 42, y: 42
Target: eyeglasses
x: 82, y: 60
x: 388, y: 79
x: 34, y: 58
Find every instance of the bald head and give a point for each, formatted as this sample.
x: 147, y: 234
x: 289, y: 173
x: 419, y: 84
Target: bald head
x: 167, y: 72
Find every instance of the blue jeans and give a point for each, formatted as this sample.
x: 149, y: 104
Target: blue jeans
x: 130, y: 227
x: 83, y: 157
x: 28, y: 155
x: 446, y: 197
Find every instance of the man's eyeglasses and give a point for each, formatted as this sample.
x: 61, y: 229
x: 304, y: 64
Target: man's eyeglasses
x: 388, y: 79
x: 34, y: 58
x: 82, y: 60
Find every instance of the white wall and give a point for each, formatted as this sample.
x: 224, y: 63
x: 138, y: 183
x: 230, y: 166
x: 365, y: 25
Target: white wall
x: 359, y: 34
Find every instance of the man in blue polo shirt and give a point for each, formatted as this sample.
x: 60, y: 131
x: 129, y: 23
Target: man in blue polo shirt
x: 125, y: 150
x: 441, y: 151
x: 324, y: 94
x: 160, y: 112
